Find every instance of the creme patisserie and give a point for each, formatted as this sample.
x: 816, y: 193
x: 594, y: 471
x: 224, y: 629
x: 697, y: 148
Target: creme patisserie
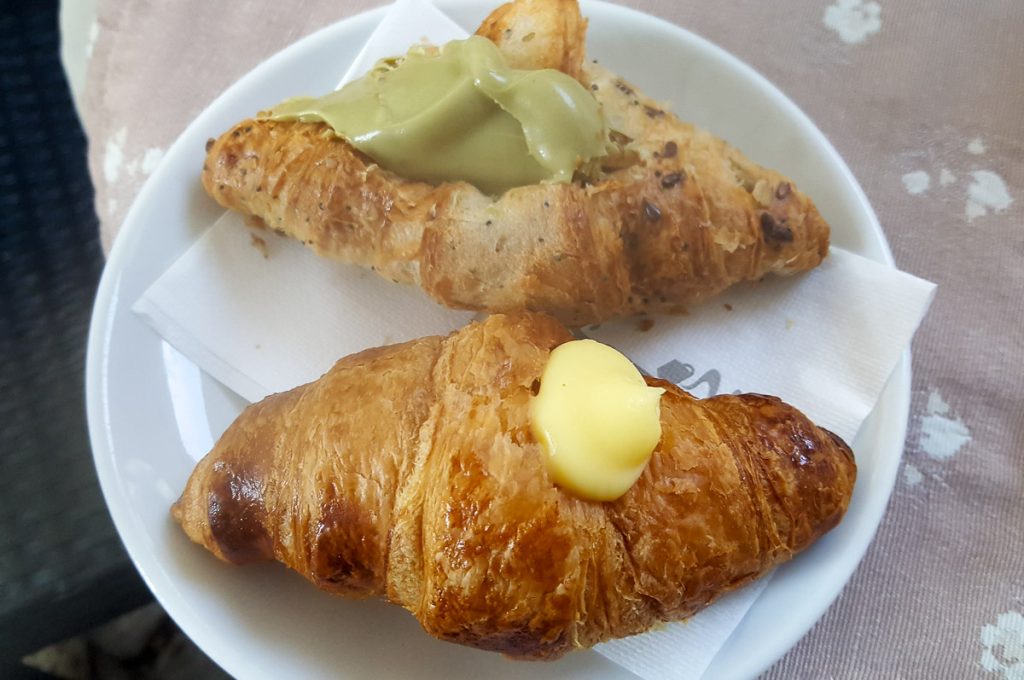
x: 596, y: 418
x: 671, y: 217
x: 458, y: 112
x: 410, y: 472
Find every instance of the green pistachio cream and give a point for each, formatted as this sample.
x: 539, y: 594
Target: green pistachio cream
x: 460, y: 113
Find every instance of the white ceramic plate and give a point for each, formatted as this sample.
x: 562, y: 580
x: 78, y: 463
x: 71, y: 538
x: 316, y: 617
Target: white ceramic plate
x: 147, y: 405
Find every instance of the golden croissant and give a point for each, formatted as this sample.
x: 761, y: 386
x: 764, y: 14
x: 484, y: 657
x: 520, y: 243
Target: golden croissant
x: 678, y: 219
x: 410, y: 472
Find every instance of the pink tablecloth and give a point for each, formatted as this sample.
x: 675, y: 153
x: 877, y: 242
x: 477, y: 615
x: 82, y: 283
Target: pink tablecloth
x: 925, y: 100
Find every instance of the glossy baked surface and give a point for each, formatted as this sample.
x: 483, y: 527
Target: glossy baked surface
x: 410, y: 472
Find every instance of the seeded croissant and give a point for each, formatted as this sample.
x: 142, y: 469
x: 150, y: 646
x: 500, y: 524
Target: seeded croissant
x: 410, y: 472
x: 676, y: 218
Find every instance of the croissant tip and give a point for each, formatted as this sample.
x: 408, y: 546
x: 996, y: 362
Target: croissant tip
x: 839, y: 442
x: 177, y: 511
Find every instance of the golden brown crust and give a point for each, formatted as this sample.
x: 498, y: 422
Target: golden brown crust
x: 691, y: 217
x: 326, y: 515
x: 410, y: 472
x: 536, y: 34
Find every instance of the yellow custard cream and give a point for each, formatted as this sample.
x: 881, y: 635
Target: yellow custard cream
x: 596, y: 418
x: 460, y: 113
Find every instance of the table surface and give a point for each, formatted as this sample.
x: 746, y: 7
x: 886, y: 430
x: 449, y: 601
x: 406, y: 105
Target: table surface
x: 923, y: 99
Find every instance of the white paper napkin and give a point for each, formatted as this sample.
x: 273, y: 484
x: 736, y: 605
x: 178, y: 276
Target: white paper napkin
x: 825, y: 341
x: 262, y: 314
x: 265, y: 316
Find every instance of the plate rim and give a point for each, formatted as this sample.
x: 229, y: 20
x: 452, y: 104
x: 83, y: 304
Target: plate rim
x: 133, y: 230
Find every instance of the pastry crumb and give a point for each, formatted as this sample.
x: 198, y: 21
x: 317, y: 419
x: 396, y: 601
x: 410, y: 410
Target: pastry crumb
x: 260, y: 245
x: 789, y: 323
x: 255, y: 222
x: 728, y: 307
x: 644, y: 325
